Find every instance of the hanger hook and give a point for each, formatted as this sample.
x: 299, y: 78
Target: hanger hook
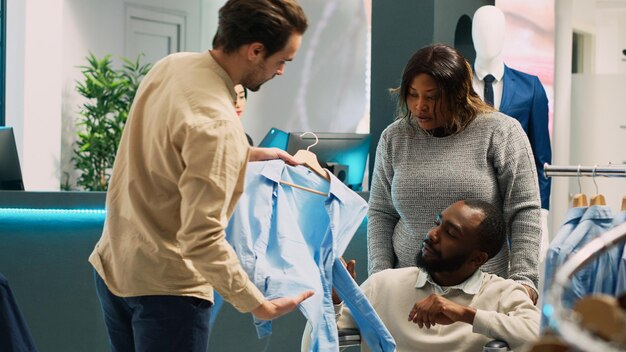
x: 317, y: 140
x: 593, y: 177
x: 580, y: 189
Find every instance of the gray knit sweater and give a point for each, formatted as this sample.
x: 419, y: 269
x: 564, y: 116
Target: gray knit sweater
x: 417, y: 175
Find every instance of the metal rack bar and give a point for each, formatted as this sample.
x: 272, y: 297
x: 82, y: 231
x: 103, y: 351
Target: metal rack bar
x: 576, y: 170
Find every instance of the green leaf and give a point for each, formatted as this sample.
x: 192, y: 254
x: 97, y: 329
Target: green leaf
x: 109, y: 93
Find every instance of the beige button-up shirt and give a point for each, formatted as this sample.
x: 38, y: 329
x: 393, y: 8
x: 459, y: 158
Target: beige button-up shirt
x: 177, y: 176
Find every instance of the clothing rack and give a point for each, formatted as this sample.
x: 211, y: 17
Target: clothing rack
x: 568, y: 323
x: 577, y: 170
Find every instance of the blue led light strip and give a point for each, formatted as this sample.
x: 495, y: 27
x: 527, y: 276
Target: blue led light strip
x: 52, y: 211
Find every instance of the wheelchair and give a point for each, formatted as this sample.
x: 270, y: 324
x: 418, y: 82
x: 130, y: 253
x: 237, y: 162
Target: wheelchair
x: 352, y: 337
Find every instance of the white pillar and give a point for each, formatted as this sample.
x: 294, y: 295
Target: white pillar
x: 34, y: 89
x: 559, y: 202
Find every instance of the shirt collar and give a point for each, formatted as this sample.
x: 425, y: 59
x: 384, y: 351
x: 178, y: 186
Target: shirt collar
x: 273, y: 170
x: 597, y: 213
x: 498, y: 73
x: 574, y: 214
x: 471, y: 286
x: 219, y: 70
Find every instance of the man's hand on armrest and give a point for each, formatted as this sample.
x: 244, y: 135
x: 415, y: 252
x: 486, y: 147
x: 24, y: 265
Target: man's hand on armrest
x: 275, y: 308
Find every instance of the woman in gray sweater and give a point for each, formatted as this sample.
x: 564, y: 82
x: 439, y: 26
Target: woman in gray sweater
x: 448, y: 145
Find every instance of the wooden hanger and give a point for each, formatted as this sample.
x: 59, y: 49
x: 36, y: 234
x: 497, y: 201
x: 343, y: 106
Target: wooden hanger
x: 598, y: 199
x: 580, y: 199
x: 602, y: 315
x: 309, y: 159
x: 549, y: 343
x: 303, y: 188
x: 624, y: 204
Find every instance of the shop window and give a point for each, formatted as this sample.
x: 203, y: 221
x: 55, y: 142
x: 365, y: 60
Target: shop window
x: 2, y: 58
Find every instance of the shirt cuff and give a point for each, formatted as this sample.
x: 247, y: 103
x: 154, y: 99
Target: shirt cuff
x: 247, y: 299
x: 482, y: 321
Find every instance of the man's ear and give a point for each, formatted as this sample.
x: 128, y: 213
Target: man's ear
x: 478, y: 258
x: 255, y: 51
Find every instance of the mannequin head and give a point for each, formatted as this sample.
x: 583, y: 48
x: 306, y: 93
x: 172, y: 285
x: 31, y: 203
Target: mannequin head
x: 488, y: 32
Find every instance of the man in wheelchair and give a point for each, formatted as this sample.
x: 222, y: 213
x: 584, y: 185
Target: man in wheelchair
x: 447, y: 303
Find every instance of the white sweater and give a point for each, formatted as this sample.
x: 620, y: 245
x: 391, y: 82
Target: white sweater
x: 503, y: 311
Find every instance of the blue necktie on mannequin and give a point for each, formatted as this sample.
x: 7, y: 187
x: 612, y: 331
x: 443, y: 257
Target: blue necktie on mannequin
x: 489, y: 89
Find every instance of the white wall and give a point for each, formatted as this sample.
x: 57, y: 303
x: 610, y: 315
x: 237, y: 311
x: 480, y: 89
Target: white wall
x: 98, y: 26
x: 208, y: 13
x: 611, y: 40
x: 325, y: 89
x: 46, y: 41
x: 589, y: 108
x: 598, y: 111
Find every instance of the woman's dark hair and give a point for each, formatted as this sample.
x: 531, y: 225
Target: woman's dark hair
x: 453, y: 76
x: 492, y: 230
x: 269, y: 22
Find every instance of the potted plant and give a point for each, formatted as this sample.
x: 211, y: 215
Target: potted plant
x: 110, y: 93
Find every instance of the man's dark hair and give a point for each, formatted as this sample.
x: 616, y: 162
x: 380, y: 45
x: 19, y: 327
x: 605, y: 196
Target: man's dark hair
x: 492, y: 230
x: 269, y: 22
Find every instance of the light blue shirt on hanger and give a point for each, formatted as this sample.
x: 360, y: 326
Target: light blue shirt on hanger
x: 604, y: 274
x: 572, y: 218
x: 620, y: 287
x: 289, y: 240
x: 599, y: 275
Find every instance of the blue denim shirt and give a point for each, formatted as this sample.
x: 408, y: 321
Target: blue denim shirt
x: 599, y: 275
x: 572, y: 218
x: 289, y: 241
x: 620, y: 287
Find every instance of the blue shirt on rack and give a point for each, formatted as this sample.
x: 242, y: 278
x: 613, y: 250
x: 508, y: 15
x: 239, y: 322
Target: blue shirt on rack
x: 572, y: 218
x: 599, y: 275
x: 620, y: 287
x: 289, y: 240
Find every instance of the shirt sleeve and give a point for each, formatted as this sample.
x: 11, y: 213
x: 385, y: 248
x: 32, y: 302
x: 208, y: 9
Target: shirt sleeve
x: 382, y: 215
x: 517, y: 181
x: 516, y: 322
x: 214, y: 158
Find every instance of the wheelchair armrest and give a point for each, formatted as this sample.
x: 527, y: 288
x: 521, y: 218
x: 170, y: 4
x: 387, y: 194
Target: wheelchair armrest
x: 496, y: 346
x: 352, y: 337
x: 349, y: 337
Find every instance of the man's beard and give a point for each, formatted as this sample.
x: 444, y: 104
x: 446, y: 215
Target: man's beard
x: 252, y: 81
x: 439, y: 264
x: 254, y: 88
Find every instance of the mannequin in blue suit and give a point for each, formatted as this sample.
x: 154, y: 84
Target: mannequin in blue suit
x: 517, y: 94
